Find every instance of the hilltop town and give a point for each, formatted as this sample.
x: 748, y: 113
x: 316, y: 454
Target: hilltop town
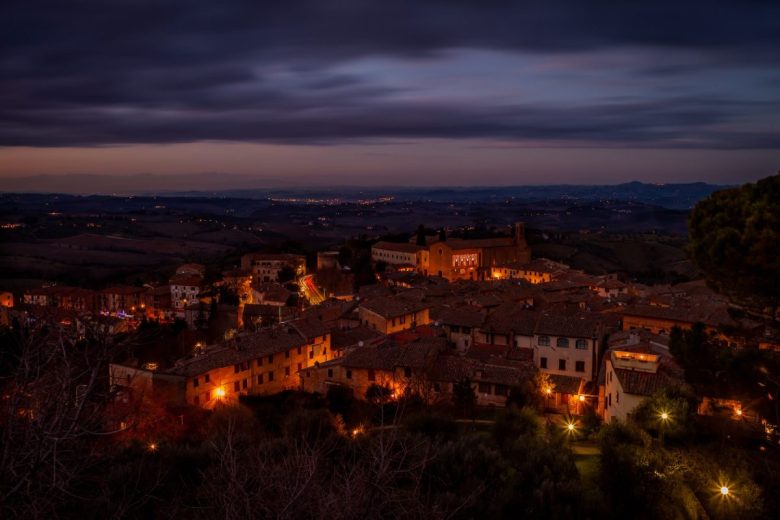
x: 442, y: 311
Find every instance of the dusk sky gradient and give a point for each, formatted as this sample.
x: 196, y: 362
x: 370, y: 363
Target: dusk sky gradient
x: 391, y: 92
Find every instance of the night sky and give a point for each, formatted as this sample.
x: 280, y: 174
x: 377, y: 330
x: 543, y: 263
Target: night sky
x: 392, y: 92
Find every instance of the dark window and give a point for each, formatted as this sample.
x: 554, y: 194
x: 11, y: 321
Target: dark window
x: 581, y: 344
x: 287, y: 354
x: 330, y: 372
x: 244, y: 384
x: 543, y: 362
x: 207, y: 396
x: 259, y: 379
x: 196, y: 400
x: 195, y: 382
x: 270, y: 358
x: 286, y: 371
x: 259, y: 361
x: 561, y: 364
x: 349, y: 374
x: 544, y: 341
x: 207, y: 378
x: 237, y: 386
x: 407, y: 372
x: 436, y: 387
x: 299, y: 350
x: 371, y: 375
x: 311, y: 354
x: 501, y: 390
x: 484, y: 388
x: 236, y: 369
x: 562, y: 342
x: 617, y: 397
x: 579, y: 366
x: 270, y: 376
x: 299, y: 367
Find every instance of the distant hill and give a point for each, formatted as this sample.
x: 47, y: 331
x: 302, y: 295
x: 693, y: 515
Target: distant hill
x: 672, y: 196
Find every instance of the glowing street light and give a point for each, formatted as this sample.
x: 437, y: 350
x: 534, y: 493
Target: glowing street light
x: 219, y: 392
x: 152, y: 447
x: 665, y: 418
x: 582, y: 398
x: 724, y: 490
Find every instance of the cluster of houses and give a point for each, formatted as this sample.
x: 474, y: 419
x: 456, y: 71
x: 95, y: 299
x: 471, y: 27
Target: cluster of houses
x: 476, y: 312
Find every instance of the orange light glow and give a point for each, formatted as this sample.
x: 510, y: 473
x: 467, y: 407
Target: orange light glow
x: 582, y: 398
x: 219, y: 392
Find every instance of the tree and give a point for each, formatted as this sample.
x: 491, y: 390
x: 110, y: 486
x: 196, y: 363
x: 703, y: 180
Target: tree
x: 421, y: 235
x: 735, y: 241
x: 463, y: 395
x: 286, y: 274
x: 378, y: 393
x: 442, y: 235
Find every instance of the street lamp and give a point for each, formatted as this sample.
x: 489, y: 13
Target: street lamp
x: 724, y: 490
x: 665, y: 418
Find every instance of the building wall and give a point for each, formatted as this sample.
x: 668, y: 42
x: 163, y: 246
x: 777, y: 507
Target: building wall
x: 491, y: 338
x: 253, y: 376
x: 654, y: 325
x: 460, y: 337
x: 321, y: 378
x: 393, y: 257
x: 180, y: 293
x: 392, y: 325
x: 147, y: 383
x: 524, y: 341
x: 570, y: 354
x: 617, y: 403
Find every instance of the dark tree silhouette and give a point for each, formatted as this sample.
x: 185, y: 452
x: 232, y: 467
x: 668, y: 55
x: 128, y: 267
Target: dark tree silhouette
x: 735, y: 240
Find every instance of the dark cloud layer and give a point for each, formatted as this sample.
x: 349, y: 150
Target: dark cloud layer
x: 90, y: 73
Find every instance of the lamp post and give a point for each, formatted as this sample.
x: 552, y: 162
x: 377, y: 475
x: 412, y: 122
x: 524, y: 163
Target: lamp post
x: 665, y: 417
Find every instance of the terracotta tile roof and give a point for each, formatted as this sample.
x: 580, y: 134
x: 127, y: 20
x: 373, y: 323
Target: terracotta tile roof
x: 668, y: 372
x: 452, y: 368
x: 710, y: 313
x: 393, y: 306
x: 186, y: 280
x: 400, y: 247
x: 348, y: 338
x: 308, y: 328
x: 457, y: 243
x: 567, y: 384
x: 575, y: 326
x: 462, y: 315
x: 245, y: 347
x: 387, y: 357
x: 123, y: 289
x: 511, y: 318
